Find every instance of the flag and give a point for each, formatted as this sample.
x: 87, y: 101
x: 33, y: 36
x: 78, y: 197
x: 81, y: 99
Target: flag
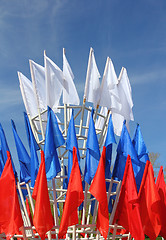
x: 100, y: 120
x: 42, y: 219
x: 74, y: 198
x: 127, y: 211
x: 142, y: 154
x: 125, y: 95
x: 161, y: 188
x: 125, y: 148
x: 92, y: 84
x: 2, y: 164
x: 54, y: 83
x: 5, y: 148
x: 28, y: 95
x: 24, y: 159
x: 70, y: 95
x: 150, y: 203
x: 39, y: 83
x: 98, y: 190
x: 109, y: 95
x: 10, y: 214
x: 92, y: 152
x: 33, y: 148
x: 71, y: 142
x: 53, y: 140
x: 65, y: 182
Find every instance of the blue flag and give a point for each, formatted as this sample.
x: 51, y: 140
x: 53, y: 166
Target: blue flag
x: 142, y: 154
x: 65, y: 181
x: 125, y: 147
x: 24, y: 159
x: 92, y: 152
x: 1, y: 162
x: 5, y: 148
x: 33, y: 150
x: 53, y: 140
x: 71, y: 142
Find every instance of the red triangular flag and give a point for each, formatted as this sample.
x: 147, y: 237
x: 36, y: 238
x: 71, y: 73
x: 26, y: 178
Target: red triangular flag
x: 161, y: 187
x: 10, y: 214
x: 42, y: 220
x: 74, y: 198
x: 98, y: 190
x: 149, y: 203
x: 127, y: 212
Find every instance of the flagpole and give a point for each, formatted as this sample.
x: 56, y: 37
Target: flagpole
x: 34, y: 85
x: 65, y: 109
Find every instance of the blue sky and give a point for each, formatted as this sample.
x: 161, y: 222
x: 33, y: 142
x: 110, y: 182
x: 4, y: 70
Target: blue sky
x: 132, y: 33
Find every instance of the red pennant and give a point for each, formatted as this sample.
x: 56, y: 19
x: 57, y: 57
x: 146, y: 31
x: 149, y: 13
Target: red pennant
x: 10, y: 214
x: 149, y: 203
x: 98, y: 190
x: 74, y: 198
x: 127, y: 212
x: 43, y: 220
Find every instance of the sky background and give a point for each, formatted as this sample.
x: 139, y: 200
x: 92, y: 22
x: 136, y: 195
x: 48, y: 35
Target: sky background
x: 132, y: 33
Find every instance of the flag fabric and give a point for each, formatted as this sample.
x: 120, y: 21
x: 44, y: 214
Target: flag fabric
x: 142, y: 154
x: 39, y: 83
x: 2, y: 164
x: 100, y: 120
x: 125, y: 95
x: 92, y: 84
x: 42, y: 219
x: 92, y: 152
x: 65, y: 181
x: 10, y: 214
x: 54, y: 83
x: 109, y: 95
x: 70, y: 95
x: 98, y: 190
x: 74, y: 198
x: 5, y: 148
x: 28, y: 95
x: 150, y: 203
x: 33, y: 150
x: 125, y: 148
x: 53, y: 140
x: 127, y: 212
x: 71, y: 142
x: 24, y: 159
x: 161, y: 188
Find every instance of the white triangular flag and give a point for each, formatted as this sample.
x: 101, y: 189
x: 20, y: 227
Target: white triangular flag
x: 54, y: 83
x: 100, y: 121
x: 38, y: 79
x: 92, y: 84
x: 70, y: 95
x: 109, y: 96
x: 125, y: 112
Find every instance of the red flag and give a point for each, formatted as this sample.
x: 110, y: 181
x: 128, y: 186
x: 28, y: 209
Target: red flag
x: 98, y: 190
x: 74, y: 198
x: 29, y: 211
x: 127, y: 212
x: 43, y: 220
x: 10, y: 214
x: 149, y: 203
x: 161, y: 187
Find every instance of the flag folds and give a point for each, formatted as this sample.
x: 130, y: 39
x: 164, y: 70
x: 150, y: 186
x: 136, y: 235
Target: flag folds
x: 127, y: 212
x: 98, y: 190
x: 74, y: 198
x: 10, y: 214
x: 42, y: 219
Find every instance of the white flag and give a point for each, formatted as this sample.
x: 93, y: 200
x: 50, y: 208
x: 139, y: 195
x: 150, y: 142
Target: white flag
x: 70, y: 95
x: 92, y: 84
x: 125, y: 113
x: 28, y: 95
x: 38, y: 79
x: 54, y: 83
x: 109, y: 96
x: 100, y: 121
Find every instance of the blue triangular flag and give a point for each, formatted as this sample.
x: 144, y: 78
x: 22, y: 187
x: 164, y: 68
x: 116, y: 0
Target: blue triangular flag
x: 65, y: 181
x: 92, y: 152
x: 53, y: 139
x: 125, y: 147
x: 1, y: 162
x: 142, y: 154
x: 24, y: 159
x: 71, y: 142
x: 5, y: 148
